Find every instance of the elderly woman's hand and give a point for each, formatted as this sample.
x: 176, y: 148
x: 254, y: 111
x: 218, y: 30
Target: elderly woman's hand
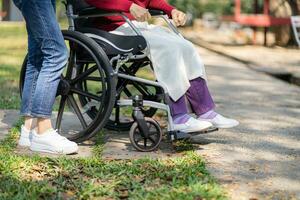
x: 139, y: 13
x: 178, y: 17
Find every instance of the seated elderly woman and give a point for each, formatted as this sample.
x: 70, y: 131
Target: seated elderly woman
x: 176, y: 61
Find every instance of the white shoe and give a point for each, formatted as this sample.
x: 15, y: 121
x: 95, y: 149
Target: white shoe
x: 52, y: 142
x: 192, y: 125
x: 220, y: 121
x: 25, y: 137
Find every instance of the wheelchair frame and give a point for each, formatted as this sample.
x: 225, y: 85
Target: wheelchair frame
x: 162, y: 106
x: 137, y: 102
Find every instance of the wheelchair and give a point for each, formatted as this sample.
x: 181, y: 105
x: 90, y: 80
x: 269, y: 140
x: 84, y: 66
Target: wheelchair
x: 103, y: 83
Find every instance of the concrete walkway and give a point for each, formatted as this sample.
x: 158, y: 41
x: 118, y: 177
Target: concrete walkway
x: 260, y: 158
x: 276, y: 61
x: 7, y: 119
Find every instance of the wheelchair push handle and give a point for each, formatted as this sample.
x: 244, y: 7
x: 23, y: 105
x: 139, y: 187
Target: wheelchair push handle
x: 163, y: 15
x: 154, y: 12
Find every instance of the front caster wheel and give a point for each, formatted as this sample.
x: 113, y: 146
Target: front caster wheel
x: 146, y: 144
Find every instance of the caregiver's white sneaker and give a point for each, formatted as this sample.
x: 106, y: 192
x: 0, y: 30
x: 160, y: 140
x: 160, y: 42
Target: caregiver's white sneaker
x: 25, y: 137
x: 52, y: 142
x: 192, y: 125
x: 220, y: 121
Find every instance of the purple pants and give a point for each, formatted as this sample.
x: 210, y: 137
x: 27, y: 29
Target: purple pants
x: 198, y: 96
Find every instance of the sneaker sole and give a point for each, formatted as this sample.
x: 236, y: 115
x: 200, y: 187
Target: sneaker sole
x: 22, y: 143
x: 195, y: 130
x: 45, y: 149
x: 227, y: 126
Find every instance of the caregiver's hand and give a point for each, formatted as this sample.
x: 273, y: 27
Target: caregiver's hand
x: 178, y: 17
x: 139, y: 13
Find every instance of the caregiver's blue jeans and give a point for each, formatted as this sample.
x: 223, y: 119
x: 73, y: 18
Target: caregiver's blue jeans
x: 47, y: 56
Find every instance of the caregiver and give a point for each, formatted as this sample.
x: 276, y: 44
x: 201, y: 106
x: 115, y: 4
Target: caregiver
x: 47, y: 56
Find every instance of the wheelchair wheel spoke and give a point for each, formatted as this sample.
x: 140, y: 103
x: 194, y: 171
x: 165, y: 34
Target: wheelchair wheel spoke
x: 76, y: 109
x: 139, y: 139
x: 145, y: 142
x: 142, y: 89
x: 117, y: 117
x: 60, y: 112
x: 152, y: 140
x: 127, y: 92
x: 121, y: 85
x: 83, y: 75
x: 71, y: 63
x: 92, y: 78
x: 86, y: 94
x: 81, y: 61
x: 152, y: 132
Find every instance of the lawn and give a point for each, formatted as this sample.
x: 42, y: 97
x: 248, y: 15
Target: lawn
x: 36, y: 177
x: 13, y: 45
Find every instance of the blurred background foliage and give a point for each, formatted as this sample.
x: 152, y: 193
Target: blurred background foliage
x: 219, y: 7
x: 197, y: 7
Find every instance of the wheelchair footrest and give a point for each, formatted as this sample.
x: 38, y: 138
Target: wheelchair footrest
x: 210, y: 130
x: 178, y: 135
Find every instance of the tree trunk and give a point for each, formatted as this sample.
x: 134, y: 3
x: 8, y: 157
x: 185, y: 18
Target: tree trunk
x: 5, y: 9
x: 295, y: 6
x: 284, y: 8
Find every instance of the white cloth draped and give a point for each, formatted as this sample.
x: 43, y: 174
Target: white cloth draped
x: 175, y: 60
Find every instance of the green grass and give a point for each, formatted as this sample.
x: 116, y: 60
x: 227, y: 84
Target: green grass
x: 35, y: 177
x: 12, y: 51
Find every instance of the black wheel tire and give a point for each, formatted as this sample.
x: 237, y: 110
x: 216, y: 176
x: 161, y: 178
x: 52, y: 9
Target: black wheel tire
x: 104, y: 65
x: 22, y: 75
x: 134, y: 132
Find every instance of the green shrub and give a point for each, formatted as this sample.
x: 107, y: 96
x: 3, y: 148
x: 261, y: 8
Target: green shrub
x: 191, y: 6
x: 219, y: 7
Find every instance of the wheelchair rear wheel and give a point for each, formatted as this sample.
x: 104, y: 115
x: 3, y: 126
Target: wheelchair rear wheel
x: 121, y: 117
x: 72, y: 119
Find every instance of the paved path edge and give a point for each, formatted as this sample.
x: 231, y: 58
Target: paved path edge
x: 281, y: 74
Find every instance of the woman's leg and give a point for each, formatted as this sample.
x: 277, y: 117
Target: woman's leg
x: 203, y: 105
x: 182, y: 120
x: 199, y: 97
x: 49, y: 57
x: 179, y: 111
x: 32, y: 71
x: 46, y: 31
x: 46, y: 58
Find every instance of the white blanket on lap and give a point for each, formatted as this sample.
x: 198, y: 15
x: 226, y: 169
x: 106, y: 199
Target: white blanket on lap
x: 175, y: 60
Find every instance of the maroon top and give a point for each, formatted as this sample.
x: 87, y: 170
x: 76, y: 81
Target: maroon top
x: 112, y: 22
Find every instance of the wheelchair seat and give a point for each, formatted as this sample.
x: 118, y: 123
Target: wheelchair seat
x: 114, y: 44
